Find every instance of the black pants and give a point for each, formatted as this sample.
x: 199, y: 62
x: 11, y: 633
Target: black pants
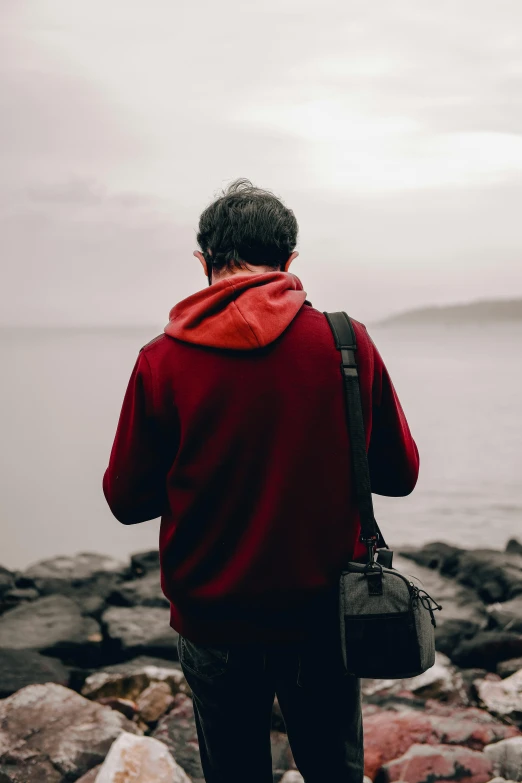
x: 233, y: 691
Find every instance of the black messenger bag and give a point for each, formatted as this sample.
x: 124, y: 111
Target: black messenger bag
x: 387, y: 622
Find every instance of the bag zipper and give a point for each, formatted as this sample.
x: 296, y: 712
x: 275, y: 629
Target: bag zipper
x: 426, y: 600
x: 415, y: 592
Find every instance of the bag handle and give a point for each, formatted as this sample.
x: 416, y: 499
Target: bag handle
x: 346, y: 343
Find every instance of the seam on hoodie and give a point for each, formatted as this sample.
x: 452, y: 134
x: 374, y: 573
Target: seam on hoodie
x: 245, y: 320
x: 234, y: 287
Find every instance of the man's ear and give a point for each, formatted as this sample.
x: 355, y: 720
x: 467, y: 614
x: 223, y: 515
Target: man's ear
x: 201, y: 257
x: 290, y: 259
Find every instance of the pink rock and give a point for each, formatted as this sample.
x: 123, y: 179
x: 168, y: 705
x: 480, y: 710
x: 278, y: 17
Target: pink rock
x: 388, y: 733
x: 427, y: 763
x: 140, y: 760
x: 154, y: 701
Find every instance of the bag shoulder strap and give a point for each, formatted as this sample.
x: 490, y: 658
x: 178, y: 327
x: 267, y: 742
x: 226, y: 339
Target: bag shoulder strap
x: 346, y: 343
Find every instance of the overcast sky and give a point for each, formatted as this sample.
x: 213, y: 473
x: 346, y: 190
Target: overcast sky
x: 392, y: 129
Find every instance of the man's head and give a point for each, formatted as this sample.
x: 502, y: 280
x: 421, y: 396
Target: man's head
x: 246, y: 229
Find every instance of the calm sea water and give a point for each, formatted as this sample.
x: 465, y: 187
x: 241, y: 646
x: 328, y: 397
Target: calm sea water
x: 62, y: 392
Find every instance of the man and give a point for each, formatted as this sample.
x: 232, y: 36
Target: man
x: 233, y: 430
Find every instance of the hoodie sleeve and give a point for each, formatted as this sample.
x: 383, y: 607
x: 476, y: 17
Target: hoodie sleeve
x: 393, y: 457
x: 134, y: 483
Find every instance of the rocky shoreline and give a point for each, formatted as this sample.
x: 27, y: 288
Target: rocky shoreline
x: 90, y: 685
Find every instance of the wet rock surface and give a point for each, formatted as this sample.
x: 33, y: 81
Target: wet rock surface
x: 506, y: 668
x: 487, y: 649
x: 507, y: 616
x: 494, y: 576
x: 144, y: 562
x: 7, y: 583
x: 139, y: 630
x: 67, y: 574
x: 19, y: 668
x: 53, y: 625
x: 145, y: 591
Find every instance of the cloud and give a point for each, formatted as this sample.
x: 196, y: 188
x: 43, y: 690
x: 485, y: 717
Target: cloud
x: 393, y: 131
x: 74, y: 252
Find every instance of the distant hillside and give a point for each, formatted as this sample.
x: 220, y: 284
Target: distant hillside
x: 488, y: 310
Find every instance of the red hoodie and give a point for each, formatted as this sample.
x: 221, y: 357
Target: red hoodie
x: 233, y: 430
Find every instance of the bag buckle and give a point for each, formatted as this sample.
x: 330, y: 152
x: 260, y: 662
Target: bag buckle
x: 370, y: 544
x: 348, y: 363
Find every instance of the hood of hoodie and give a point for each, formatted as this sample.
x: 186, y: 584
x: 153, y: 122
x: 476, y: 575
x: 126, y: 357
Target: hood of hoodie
x: 242, y: 311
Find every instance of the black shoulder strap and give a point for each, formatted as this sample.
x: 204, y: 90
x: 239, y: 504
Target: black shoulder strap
x: 346, y: 343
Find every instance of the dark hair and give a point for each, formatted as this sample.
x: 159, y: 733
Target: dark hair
x: 247, y: 224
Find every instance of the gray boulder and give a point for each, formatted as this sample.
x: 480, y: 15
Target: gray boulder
x: 145, y: 591
x: 130, y: 678
x: 507, y: 668
x: 437, y: 555
x: 59, y: 573
x: 496, y: 576
x: 450, y: 632
x: 487, y: 649
x: 87, y: 577
x: 16, y: 596
x: 144, y: 562
x: 514, y: 547
x: 50, y: 733
x: 7, y: 580
x: 19, y: 668
x: 506, y: 757
x: 508, y: 616
x: 139, y: 630
x: 53, y: 625
x: 502, y: 697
